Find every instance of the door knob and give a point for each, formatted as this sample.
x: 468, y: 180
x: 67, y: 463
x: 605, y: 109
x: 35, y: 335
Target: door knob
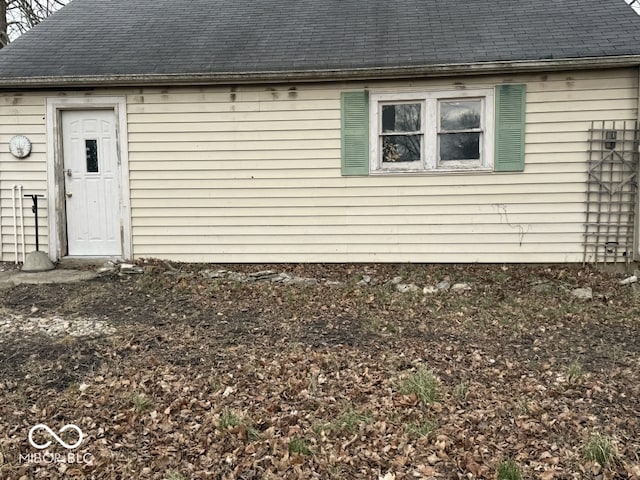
x: 69, y: 194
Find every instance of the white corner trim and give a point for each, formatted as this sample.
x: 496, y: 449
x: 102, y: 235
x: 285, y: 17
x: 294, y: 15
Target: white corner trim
x: 636, y: 245
x: 55, y: 105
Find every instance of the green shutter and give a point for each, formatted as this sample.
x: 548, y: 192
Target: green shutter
x: 509, y: 146
x: 355, y: 133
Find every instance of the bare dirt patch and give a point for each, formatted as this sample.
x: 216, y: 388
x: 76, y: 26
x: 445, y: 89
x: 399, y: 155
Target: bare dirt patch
x: 208, y: 377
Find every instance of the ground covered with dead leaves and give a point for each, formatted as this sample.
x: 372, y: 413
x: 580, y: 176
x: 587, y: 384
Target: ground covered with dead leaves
x: 200, y: 375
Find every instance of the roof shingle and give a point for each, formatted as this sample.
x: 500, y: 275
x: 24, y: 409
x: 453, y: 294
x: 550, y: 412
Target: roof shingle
x: 167, y: 37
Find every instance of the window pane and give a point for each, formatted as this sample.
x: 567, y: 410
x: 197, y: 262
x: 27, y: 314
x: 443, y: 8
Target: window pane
x: 91, y: 147
x: 404, y: 117
x: 401, y: 148
x: 460, y: 146
x: 460, y: 114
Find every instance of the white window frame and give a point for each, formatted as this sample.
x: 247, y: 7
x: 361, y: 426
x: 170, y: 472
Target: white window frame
x: 55, y: 167
x: 430, y: 100
x: 401, y: 166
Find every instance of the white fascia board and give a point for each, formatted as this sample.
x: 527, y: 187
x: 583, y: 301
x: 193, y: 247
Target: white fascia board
x: 381, y: 73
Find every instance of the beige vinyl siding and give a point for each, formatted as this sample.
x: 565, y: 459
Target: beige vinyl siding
x: 252, y: 174
x: 22, y: 114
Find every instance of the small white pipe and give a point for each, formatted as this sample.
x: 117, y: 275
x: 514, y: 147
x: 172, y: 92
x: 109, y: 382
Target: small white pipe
x: 15, y: 223
x: 24, y: 252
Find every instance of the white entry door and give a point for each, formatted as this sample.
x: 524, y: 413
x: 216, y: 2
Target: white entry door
x: 91, y: 182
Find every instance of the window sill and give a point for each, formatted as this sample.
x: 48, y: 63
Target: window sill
x: 435, y: 171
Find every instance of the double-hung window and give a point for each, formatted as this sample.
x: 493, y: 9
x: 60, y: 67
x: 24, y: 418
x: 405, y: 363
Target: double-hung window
x: 463, y: 130
x: 431, y: 131
x: 401, y: 134
x: 461, y: 133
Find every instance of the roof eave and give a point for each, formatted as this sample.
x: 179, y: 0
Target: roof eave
x: 372, y: 73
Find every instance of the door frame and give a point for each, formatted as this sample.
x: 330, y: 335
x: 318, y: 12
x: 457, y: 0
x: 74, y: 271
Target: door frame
x: 55, y: 169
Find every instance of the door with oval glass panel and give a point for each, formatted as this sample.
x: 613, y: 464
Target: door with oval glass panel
x: 91, y: 182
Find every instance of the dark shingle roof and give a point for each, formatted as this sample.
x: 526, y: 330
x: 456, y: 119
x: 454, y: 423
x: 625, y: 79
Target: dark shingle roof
x: 95, y: 38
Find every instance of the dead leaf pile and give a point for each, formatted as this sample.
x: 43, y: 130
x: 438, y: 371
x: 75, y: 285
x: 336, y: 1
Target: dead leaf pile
x: 210, y: 378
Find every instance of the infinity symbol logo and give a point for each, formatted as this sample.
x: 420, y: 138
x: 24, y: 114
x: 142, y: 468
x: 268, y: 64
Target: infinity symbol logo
x: 42, y: 426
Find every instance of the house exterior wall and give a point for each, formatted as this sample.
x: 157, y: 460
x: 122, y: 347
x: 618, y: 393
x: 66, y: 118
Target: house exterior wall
x: 252, y: 174
x: 22, y: 114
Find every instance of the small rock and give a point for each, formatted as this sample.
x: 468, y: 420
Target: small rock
x: 107, y: 267
x: 237, y: 277
x: 130, y: 268
x: 430, y: 290
x: 263, y: 275
x: 629, y: 280
x: 444, y: 285
x: 366, y: 280
x: 333, y: 283
x: 212, y: 275
x: 396, y: 280
x: 281, y: 277
x: 303, y: 281
x: 407, y: 287
x: 294, y: 280
x: 460, y: 287
x: 583, y: 293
